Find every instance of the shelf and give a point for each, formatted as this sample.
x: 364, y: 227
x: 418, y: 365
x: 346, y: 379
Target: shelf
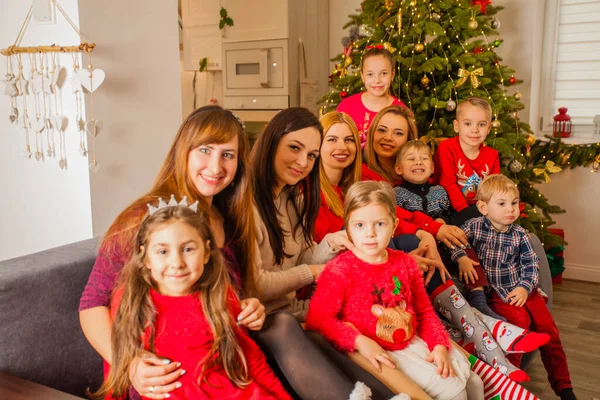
x: 574, y: 140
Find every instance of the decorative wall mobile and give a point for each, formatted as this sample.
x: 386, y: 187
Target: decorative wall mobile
x: 33, y: 76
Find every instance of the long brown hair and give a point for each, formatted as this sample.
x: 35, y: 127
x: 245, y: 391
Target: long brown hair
x: 361, y: 194
x: 372, y: 158
x: 264, y: 179
x: 133, y: 326
x: 209, y: 124
x: 352, y: 173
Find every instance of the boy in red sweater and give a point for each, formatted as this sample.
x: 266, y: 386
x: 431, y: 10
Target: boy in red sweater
x: 462, y: 162
x: 372, y: 300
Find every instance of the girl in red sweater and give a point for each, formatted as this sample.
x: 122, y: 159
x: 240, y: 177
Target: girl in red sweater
x: 176, y: 300
x: 372, y: 300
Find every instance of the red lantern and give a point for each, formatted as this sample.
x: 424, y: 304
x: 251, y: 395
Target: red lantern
x: 562, y: 124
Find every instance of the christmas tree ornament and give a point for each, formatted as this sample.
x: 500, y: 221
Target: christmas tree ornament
x: 389, y: 4
x: 425, y: 80
x: 343, y: 94
x: 495, y: 24
x: 482, y: 5
x: 399, y: 21
x: 364, y: 30
x: 497, y: 43
x: 528, y: 151
x: 436, y: 17
x: 496, y: 124
x: 389, y: 47
x: 477, y: 50
x: 419, y: 47
x: 515, y: 166
x: 473, y: 24
x: 464, y: 74
x: 450, y: 105
x: 530, y: 140
x: 517, y: 95
x: 548, y: 169
x: 512, y: 80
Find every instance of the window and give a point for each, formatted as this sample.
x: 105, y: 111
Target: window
x: 571, y: 64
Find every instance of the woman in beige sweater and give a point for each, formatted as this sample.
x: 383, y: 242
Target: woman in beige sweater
x: 286, y: 194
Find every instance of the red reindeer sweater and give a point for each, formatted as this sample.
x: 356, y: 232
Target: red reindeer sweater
x: 385, y: 302
x: 461, y: 176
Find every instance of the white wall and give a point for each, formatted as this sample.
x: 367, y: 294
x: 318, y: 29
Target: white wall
x: 574, y: 190
x: 41, y: 206
x: 140, y: 102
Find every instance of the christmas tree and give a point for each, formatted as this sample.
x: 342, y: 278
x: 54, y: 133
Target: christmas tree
x: 445, y: 51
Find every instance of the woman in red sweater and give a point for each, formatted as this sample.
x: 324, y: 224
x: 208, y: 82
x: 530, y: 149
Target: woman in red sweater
x: 372, y: 300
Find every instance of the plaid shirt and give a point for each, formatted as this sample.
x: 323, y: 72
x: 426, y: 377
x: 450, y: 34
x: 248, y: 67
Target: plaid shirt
x: 507, y: 257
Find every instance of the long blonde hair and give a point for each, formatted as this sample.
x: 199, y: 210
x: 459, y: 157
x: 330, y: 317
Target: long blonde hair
x: 352, y: 173
x: 133, y: 325
x: 372, y: 158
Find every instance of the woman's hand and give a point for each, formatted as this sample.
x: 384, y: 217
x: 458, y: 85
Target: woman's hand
x: 428, y: 249
x: 452, y: 235
x: 154, y: 377
x: 252, y: 315
x: 316, y: 270
x: 339, y: 241
x: 373, y: 352
x: 439, y: 356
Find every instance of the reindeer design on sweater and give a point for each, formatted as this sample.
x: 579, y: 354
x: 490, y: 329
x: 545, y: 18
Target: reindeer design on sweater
x: 394, y: 323
x: 469, y: 184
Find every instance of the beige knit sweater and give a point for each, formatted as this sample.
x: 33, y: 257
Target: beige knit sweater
x: 277, y: 283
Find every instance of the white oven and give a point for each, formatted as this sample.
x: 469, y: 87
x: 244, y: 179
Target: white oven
x: 256, y: 75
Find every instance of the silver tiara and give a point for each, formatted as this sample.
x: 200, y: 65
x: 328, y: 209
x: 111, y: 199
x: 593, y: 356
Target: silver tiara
x: 238, y: 119
x: 172, y: 203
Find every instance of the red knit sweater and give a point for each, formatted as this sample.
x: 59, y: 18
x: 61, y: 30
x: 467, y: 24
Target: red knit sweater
x: 385, y: 302
x: 183, y: 334
x: 412, y: 220
x: 459, y: 175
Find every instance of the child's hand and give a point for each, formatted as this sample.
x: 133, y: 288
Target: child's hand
x: 518, y: 296
x: 316, y: 270
x: 373, y: 352
x: 466, y: 270
x: 439, y: 356
x: 452, y: 236
x: 339, y: 241
x: 252, y: 315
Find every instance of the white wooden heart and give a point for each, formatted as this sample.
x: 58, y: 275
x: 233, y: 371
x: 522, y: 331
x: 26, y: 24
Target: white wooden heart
x: 93, y: 127
x: 91, y: 80
x: 39, y: 125
x: 59, y: 122
x: 37, y: 84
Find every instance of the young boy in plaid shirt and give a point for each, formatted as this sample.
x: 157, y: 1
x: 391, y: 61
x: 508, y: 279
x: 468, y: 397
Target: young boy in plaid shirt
x: 511, y: 266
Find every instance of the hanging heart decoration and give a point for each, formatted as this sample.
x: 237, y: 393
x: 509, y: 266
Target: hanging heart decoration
x: 62, y: 163
x: 75, y: 83
x: 39, y: 125
x: 60, y: 123
x: 37, y: 84
x: 38, y: 155
x: 93, y: 127
x: 91, y: 80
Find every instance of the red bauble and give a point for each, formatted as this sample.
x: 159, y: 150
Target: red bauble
x: 512, y: 80
x: 482, y: 5
x: 343, y: 94
x: 477, y: 50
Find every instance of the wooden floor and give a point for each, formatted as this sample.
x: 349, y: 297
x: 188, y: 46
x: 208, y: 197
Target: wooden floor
x: 576, y: 311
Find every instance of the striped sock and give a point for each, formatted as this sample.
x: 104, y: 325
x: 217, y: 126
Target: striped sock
x: 497, y: 386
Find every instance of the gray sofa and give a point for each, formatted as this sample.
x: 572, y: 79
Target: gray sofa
x: 40, y: 336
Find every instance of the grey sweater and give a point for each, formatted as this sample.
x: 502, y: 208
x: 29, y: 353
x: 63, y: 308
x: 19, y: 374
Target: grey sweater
x: 277, y: 283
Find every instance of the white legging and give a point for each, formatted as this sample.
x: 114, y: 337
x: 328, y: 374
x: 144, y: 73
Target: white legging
x: 464, y: 385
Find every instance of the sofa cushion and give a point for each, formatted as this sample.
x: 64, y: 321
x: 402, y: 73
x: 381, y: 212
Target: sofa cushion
x: 40, y: 336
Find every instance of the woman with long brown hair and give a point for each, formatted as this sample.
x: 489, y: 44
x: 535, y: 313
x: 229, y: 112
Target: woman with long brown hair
x: 207, y: 162
x: 286, y: 194
x: 176, y: 283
